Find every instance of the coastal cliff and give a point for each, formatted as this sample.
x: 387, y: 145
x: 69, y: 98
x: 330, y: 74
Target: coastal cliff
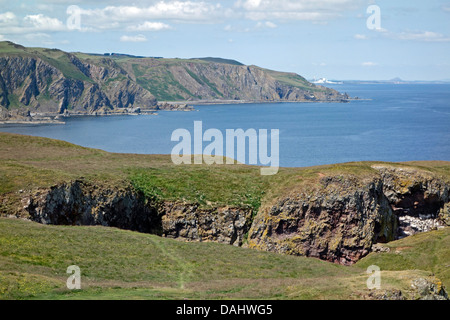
x: 39, y: 84
x: 81, y: 203
x: 338, y: 213
x: 339, y: 220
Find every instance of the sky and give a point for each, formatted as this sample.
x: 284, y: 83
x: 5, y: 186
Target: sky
x: 335, y: 39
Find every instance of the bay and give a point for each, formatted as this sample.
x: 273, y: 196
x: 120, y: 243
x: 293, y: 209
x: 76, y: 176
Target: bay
x: 391, y: 122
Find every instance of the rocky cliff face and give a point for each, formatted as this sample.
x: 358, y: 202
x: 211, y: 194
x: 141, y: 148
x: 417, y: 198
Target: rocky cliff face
x: 341, y: 219
x: 53, y: 82
x: 80, y: 203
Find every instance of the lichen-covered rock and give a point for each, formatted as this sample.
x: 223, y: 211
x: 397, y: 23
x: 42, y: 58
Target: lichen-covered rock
x: 444, y: 214
x: 342, y: 218
x: 387, y: 295
x: 338, y: 222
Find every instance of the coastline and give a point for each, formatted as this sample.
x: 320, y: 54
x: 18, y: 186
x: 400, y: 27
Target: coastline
x: 56, y: 118
x: 222, y: 102
x: 185, y: 106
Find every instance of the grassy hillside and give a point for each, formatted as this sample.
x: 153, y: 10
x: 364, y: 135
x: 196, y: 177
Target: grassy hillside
x: 57, y: 58
x: 170, y: 79
x: 28, y: 162
x: 117, y: 264
x: 425, y: 251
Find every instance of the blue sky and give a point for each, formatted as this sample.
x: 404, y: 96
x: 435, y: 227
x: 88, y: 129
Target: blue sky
x: 315, y: 38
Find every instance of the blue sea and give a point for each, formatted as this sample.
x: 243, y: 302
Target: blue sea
x: 391, y: 122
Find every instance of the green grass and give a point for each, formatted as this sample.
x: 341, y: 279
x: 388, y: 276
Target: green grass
x: 162, y: 85
x: 14, y: 102
x: 220, y: 60
x: 293, y: 79
x: 118, y: 264
x: 428, y: 251
x: 203, y: 185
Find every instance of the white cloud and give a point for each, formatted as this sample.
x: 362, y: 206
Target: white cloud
x: 266, y: 24
x: 426, y: 36
x: 244, y: 27
x: 138, y: 38
x: 149, y: 26
x: 30, y: 24
x: 312, y: 10
x: 40, y: 36
x: 184, y: 11
x: 269, y: 24
x: 369, y: 64
x: 360, y: 37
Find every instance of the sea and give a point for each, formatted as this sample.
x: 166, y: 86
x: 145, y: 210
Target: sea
x: 390, y: 122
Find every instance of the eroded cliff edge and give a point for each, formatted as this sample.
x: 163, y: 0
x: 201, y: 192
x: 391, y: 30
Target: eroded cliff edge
x: 338, y: 219
x: 82, y: 203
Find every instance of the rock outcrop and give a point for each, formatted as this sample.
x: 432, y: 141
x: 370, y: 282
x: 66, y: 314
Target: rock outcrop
x: 81, y: 203
x: 224, y: 224
x: 33, y: 84
x: 341, y: 219
x: 430, y: 288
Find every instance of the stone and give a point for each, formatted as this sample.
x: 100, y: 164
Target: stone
x: 424, y: 289
x: 342, y: 218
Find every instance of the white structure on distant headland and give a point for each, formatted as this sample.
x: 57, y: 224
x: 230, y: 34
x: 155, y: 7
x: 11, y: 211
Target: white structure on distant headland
x: 323, y: 80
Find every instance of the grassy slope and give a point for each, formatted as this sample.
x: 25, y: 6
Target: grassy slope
x: 54, y: 57
x: 33, y: 257
x: 117, y: 264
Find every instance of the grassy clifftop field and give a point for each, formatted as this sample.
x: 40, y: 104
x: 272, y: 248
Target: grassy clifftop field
x: 204, y: 205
